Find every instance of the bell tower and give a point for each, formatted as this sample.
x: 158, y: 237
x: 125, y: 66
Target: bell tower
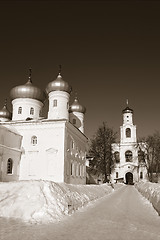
x: 128, y: 129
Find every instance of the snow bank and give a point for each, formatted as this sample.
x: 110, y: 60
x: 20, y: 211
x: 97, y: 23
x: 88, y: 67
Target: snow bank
x: 151, y: 191
x: 46, y: 201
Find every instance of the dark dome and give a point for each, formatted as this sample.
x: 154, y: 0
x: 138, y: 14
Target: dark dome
x: 77, y: 107
x: 27, y: 90
x: 5, y: 113
x: 58, y: 85
x: 127, y: 110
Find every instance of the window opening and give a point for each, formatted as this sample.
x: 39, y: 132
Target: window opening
x: 128, y: 132
x: 116, y: 157
x: 141, y: 175
x: 20, y: 110
x: 34, y: 140
x: 55, y: 103
x: 31, y: 111
x: 128, y: 155
x: 9, y: 166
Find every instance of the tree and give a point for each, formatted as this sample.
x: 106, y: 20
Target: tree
x: 101, y: 151
x: 152, y: 148
x: 153, y: 143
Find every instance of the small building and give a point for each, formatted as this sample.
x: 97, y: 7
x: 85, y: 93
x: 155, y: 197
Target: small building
x: 10, y: 154
x: 129, y: 156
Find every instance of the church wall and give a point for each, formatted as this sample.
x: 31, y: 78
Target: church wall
x: 75, y: 156
x: 44, y: 159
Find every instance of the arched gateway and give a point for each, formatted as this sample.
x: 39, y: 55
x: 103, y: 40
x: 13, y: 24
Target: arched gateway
x: 129, y: 178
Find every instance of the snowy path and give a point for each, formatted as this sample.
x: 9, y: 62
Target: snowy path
x: 123, y: 215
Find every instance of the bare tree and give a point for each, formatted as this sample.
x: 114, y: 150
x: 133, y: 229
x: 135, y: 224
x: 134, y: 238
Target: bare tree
x: 101, y: 151
x: 152, y: 149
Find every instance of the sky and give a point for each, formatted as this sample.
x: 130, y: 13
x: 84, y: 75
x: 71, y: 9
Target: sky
x: 109, y: 52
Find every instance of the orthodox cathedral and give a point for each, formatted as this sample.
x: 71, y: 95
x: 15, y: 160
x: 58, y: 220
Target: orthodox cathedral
x: 34, y: 147
x: 129, y: 155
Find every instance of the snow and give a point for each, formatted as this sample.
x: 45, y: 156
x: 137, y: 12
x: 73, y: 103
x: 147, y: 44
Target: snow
x: 151, y: 191
x: 46, y: 201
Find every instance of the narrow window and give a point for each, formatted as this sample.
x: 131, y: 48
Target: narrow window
x: 116, y: 157
x: 20, y: 110
x: 34, y: 140
x: 72, y: 144
x: 71, y: 170
x: 116, y: 174
x: 128, y: 132
x: 141, y: 175
x: 74, y: 121
x: 9, y: 166
x: 31, y: 111
x: 55, y: 103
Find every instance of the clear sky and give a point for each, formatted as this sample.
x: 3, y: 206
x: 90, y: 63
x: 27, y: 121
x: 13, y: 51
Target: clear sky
x: 109, y: 52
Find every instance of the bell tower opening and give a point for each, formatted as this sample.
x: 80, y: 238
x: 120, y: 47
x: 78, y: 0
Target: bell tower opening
x: 129, y: 178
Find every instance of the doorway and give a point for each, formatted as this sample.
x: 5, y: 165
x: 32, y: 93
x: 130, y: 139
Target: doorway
x: 129, y: 178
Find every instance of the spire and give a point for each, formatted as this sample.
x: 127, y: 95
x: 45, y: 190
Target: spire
x: 127, y: 102
x: 60, y: 69
x: 76, y: 98
x: 30, y: 76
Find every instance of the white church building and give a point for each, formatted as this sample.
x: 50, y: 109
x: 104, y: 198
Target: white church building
x: 52, y: 148
x: 129, y: 155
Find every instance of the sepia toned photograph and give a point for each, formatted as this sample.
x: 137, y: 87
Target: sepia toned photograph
x: 79, y: 120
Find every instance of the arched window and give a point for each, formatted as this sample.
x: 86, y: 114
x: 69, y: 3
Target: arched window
x: 33, y: 140
x: 9, y: 166
x: 55, y: 103
x: 116, y: 157
x: 20, y: 110
x: 128, y: 132
x: 128, y: 156
x: 31, y: 111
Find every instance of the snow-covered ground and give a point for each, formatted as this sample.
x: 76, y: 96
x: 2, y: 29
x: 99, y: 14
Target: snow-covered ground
x: 45, y: 201
x: 151, y: 191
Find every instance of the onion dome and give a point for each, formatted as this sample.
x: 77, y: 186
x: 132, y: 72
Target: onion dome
x: 27, y: 90
x: 4, y: 112
x: 127, y: 110
x: 77, y: 107
x: 58, y: 85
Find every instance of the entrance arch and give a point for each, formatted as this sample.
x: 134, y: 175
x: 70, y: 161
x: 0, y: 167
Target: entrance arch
x: 129, y: 178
